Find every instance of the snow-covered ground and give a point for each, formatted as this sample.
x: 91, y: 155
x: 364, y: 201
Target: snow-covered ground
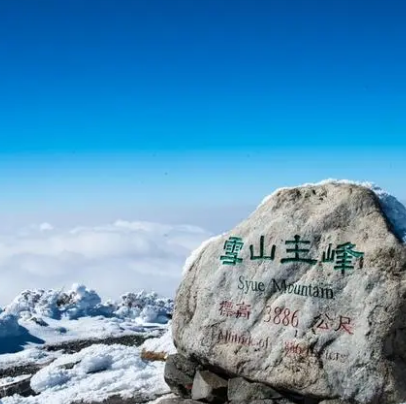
x: 37, y: 319
x: 97, y: 372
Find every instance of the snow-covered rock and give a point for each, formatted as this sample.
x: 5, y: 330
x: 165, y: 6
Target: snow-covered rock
x: 83, y: 302
x: 149, y: 306
x: 161, y: 344
x: 9, y: 326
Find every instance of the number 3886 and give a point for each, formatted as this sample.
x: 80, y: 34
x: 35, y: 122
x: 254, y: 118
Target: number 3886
x: 281, y: 315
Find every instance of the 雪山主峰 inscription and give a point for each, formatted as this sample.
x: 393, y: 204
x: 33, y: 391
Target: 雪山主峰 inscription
x: 297, y: 250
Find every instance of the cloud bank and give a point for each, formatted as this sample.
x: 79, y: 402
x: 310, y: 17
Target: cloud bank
x: 112, y: 259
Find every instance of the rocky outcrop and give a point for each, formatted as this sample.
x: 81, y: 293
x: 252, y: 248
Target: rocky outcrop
x: 334, y: 402
x: 209, y: 387
x: 241, y: 390
x: 179, y: 375
x: 307, y: 295
x: 178, y: 400
x: 73, y: 346
x: 21, y: 387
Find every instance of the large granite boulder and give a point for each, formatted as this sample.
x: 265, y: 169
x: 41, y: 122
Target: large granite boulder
x: 308, y: 295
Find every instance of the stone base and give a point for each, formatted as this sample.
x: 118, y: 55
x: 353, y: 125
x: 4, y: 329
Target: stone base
x: 194, y: 383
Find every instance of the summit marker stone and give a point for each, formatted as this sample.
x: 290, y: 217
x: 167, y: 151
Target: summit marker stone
x: 307, y: 295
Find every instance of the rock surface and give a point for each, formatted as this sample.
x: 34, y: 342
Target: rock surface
x: 178, y: 401
x: 179, y: 374
x: 240, y: 389
x: 268, y: 401
x: 334, y: 402
x: 209, y: 387
x: 21, y: 387
x: 308, y: 294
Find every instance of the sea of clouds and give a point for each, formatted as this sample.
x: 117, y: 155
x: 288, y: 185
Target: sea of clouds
x: 112, y: 258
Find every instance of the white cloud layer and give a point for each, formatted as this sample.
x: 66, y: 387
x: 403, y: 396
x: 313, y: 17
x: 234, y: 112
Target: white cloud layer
x: 112, y: 259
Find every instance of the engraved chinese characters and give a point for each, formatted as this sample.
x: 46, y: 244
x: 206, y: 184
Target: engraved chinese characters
x: 306, y: 294
x: 342, y: 256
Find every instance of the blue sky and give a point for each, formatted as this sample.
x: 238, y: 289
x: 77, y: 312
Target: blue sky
x: 158, y: 107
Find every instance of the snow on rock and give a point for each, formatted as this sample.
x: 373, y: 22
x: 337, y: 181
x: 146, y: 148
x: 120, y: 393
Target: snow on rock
x: 83, y: 302
x: 50, y: 377
x: 93, y: 364
x: 171, y: 395
x: 94, y: 373
x: 197, y: 252
x: 9, y: 326
x: 148, y: 306
x: 78, y: 302
x: 161, y: 344
x: 10, y: 380
x: 25, y: 302
x: 394, y: 210
x: 26, y: 357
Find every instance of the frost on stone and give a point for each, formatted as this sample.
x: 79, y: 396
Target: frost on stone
x: 196, y: 253
x: 148, y: 306
x: 82, y: 302
x: 393, y: 209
